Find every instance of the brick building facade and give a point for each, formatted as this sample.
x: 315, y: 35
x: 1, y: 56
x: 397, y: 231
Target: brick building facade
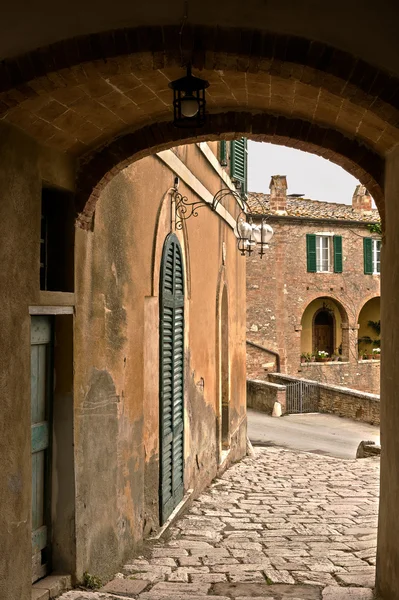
x: 311, y: 298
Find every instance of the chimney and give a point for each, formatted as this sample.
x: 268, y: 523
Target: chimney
x: 278, y: 194
x: 361, y: 199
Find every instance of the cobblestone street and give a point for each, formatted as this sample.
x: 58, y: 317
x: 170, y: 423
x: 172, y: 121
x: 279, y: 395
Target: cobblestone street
x: 281, y: 525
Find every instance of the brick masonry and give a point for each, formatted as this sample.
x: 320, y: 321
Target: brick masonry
x: 279, y: 289
x: 261, y: 395
x: 333, y: 399
x: 362, y: 375
x: 83, y: 95
x: 97, y: 167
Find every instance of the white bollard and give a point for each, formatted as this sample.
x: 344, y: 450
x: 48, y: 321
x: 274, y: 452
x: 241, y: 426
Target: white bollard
x: 276, y: 410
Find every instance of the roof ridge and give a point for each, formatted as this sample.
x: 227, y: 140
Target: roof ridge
x: 259, y: 203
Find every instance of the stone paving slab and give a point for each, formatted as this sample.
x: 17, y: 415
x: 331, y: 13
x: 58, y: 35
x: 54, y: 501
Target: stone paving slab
x: 280, y: 525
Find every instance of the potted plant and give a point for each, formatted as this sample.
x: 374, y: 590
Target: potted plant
x: 304, y: 357
x: 322, y: 356
x: 312, y: 357
x: 376, y: 353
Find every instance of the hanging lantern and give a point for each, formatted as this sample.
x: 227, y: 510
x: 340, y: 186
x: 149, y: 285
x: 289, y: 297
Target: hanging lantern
x: 189, y: 100
x: 249, y: 235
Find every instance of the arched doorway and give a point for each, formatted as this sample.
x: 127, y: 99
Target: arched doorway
x: 171, y: 363
x: 369, y: 333
x: 324, y: 328
x: 323, y: 331
x: 225, y: 372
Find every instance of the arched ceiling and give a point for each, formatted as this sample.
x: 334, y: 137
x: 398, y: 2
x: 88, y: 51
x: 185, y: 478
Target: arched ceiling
x: 82, y: 95
x: 367, y: 29
x: 83, y: 92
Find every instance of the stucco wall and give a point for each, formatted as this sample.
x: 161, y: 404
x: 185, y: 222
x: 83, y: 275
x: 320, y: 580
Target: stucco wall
x: 370, y: 312
x: 108, y: 423
x: 116, y: 355
x: 387, y: 577
x: 23, y: 168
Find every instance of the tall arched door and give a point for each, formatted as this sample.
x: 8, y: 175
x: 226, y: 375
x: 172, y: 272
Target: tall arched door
x: 171, y: 377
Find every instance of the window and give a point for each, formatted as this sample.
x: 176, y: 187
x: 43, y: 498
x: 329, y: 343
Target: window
x: 376, y: 256
x: 57, y: 237
x: 324, y: 253
x: 371, y: 255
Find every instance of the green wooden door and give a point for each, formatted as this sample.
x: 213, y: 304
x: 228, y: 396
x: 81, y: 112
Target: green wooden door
x: 41, y: 384
x: 171, y: 377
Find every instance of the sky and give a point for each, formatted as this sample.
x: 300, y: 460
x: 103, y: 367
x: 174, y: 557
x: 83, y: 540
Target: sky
x: 316, y: 177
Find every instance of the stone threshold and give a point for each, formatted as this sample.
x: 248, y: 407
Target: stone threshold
x: 51, y: 587
x: 176, y: 513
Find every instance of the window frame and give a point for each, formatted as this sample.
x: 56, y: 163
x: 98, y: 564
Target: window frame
x: 319, y: 241
x: 374, y: 256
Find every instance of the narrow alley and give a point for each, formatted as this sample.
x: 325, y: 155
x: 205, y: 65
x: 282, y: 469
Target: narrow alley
x: 280, y: 525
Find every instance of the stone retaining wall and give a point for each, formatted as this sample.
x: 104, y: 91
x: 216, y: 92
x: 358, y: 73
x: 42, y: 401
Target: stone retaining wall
x: 334, y: 399
x: 261, y: 395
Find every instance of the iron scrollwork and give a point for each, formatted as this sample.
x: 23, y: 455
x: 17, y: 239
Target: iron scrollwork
x: 185, y: 209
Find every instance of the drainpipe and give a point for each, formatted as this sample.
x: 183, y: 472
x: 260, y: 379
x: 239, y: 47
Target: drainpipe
x: 276, y: 354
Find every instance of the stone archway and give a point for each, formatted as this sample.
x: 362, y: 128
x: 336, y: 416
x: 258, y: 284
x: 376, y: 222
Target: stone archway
x: 78, y: 96
x: 97, y: 168
x: 81, y: 95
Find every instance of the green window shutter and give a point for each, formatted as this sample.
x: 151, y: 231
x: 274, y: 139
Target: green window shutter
x: 337, y: 253
x: 223, y: 153
x: 239, y: 160
x: 171, y: 385
x: 311, y: 252
x: 368, y: 255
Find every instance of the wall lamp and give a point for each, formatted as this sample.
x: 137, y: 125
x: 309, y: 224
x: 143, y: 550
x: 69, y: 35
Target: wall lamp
x: 249, y: 235
x: 189, y: 101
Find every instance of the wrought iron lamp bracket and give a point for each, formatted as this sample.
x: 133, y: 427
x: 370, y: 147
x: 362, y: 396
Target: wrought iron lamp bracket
x: 248, y: 235
x: 185, y: 209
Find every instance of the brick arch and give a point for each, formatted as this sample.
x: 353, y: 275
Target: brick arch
x: 343, y: 311
x: 245, y: 50
x: 364, y: 302
x: 80, y: 93
x: 98, y: 168
x: 341, y: 307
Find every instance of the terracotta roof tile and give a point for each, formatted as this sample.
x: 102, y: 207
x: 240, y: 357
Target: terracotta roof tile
x: 315, y: 209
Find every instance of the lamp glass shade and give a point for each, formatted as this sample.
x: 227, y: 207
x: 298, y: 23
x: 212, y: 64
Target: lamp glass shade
x: 189, y: 106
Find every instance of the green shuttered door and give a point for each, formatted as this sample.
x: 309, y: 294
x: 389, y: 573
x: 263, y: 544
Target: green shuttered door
x: 368, y: 256
x: 171, y: 377
x: 311, y: 252
x: 337, y: 254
